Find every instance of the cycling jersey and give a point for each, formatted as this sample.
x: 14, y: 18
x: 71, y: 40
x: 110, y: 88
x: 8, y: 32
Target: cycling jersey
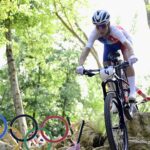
x: 113, y: 42
x: 117, y: 33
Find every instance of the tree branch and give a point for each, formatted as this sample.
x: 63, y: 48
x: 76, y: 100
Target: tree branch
x: 66, y: 15
x: 93, y: 51
x: 79, y: 28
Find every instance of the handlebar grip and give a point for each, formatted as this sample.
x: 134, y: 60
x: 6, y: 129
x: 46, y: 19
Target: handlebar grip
x: 126, y: 64
x: 88, y: 73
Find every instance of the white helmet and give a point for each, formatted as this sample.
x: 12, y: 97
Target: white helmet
x: 100, y: 17
x: 105, y: 73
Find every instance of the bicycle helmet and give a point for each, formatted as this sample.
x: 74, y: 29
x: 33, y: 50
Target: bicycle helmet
x: 100, y: 17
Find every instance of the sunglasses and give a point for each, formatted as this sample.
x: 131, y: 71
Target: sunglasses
x: 101, y: 26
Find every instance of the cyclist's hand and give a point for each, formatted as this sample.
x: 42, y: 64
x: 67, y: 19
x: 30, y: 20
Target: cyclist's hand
x: 132, y: 59
x: 80, y: 70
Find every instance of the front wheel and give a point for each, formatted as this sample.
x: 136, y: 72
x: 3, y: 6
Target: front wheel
x: 115, y: 129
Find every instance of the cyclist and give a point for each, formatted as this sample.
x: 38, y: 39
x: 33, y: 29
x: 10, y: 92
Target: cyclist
x: 114, y: 38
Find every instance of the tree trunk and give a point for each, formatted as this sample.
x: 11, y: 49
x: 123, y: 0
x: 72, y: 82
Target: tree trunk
x: 14, y: 80
x: 147, y: 3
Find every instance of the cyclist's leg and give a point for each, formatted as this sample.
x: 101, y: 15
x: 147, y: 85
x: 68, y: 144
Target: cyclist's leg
x: 131, y: 76
x: 109, y: 48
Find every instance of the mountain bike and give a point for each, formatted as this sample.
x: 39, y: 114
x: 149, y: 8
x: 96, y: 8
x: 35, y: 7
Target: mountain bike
x: 116, y: 106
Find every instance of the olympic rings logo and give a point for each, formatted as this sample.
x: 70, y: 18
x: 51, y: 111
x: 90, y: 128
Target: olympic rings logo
x: 44, y: 132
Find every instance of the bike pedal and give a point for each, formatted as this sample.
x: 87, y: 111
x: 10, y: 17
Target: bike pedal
x: 126, y: 106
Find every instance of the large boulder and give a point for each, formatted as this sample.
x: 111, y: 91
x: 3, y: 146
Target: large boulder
x: 138, y: 132
x: 139, y: 127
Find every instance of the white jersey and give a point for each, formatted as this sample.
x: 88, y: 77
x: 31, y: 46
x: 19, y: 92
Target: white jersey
x: 117, y: 34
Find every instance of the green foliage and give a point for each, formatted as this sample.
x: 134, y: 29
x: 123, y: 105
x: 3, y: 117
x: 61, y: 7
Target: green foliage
x: 148, y: 7
x: 6, y: 103
x: 145, y: 107
x: 46, y: 54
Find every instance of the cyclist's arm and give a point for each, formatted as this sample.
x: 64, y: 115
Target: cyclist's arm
x: 128, y: 45
x: 93, y: 36
x: 84, y: 55
x: 124, y: 38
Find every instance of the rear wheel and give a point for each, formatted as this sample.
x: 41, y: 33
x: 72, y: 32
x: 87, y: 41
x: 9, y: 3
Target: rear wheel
x: 116, y: 131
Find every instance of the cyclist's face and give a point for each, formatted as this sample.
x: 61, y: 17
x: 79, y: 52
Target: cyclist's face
x: 103, y: 29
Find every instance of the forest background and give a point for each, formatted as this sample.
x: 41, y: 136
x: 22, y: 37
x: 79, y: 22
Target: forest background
x: 41, y: 41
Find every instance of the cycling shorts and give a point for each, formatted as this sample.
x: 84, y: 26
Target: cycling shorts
x: 108, y: 48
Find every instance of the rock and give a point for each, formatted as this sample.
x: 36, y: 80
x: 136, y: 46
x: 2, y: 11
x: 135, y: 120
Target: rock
x: 102, y: 148
x: 139, y: 127
x: 5, y: 146
x: 138, y: 133
x: 139, y: 145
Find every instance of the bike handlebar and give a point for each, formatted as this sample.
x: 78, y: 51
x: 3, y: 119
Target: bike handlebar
x: 91, y: 73
x: 123, y: 65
